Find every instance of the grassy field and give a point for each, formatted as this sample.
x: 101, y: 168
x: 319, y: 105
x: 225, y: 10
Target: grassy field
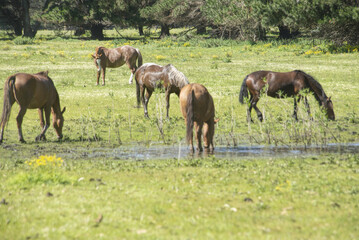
x: 84, y: 197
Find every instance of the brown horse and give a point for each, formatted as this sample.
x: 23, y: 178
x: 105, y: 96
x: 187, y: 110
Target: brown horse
x: 113, y: 58
x: 32, y: 91
x: 151, y: 76
x: 287, y: 84
x: 198, y: 110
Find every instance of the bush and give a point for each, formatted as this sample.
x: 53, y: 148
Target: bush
x: 23, y: 40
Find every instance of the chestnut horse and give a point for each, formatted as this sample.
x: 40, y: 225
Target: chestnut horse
x: 113, y: 58
x: 287, y: 84
x: 198, y: 110
x: 32, y: 91
x: 151, y: 76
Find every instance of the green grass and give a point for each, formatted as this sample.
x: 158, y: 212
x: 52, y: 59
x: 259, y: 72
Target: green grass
x: 298, y: 198
x: 107, y: 113
x: 294, y: 197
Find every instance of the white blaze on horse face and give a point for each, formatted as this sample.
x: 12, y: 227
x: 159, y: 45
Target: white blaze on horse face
x: 131, y: 77
x: 98, y: 62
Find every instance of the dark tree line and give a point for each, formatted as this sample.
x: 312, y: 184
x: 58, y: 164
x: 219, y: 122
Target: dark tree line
x: 337, y: 20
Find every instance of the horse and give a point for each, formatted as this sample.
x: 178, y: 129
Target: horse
x: 113, y: 58
x: 284, y: 84
x: 151, y: 76
x: 32, y: 91
x: 197, y: 108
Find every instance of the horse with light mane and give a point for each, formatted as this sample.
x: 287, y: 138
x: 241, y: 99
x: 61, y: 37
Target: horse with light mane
x: 197, y: 108
x: 32, y: 91
x: 283, y: 84
x: 151, y: 76
x: 113, y: 58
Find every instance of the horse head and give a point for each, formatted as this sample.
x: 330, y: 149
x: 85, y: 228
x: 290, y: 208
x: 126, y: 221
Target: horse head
x: 328, y: 106
x: 58, y: 122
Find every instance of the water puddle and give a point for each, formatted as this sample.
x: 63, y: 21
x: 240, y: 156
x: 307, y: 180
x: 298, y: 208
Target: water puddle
x: 182, y: 152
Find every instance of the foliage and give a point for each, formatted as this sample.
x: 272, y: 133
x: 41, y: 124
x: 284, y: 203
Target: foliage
x: 23, y: 41
x: 42, y: 170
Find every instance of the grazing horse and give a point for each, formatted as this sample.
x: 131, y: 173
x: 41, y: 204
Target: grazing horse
x: 198, y: 110
x: 287, y: 84
x: 113, y: 58
x: 32, y: 91
x: 151, y: 76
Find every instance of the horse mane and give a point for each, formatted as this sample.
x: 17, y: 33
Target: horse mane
x: 314, y: 86
x: 43, y: 73
x: 176, y: 77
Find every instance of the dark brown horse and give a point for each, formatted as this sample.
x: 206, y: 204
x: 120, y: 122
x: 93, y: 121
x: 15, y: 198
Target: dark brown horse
x: 280, y: 85
x: 32, y: 91
x: 113, y: 58
x: 198, y: 110
x: 151, y: 76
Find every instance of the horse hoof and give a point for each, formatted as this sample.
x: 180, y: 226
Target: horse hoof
x: 22, y: 141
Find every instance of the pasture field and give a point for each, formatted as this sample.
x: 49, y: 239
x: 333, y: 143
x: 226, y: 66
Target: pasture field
x: 91, y: 196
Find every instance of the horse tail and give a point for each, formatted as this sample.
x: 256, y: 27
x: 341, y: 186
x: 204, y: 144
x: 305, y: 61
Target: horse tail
x: 190, y: 116
x: 8, y: 97
x: 314, y: 86
x: 244, y: 91
x: 139, y: 58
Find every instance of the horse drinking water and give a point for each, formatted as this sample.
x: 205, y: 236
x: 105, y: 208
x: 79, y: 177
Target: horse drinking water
x: 113, y: 58
x: 32, y: 91
x: 283, y: 84
x: 151, y: 76
x: 197, y: 108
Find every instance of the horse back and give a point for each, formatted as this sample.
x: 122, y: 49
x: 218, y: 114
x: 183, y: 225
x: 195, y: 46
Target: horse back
x: 34, y: 90
x: 285, y: 84
x: 148, y: 73
x: 203, y: 106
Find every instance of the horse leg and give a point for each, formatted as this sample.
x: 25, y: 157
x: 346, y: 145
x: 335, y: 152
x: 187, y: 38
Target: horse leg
x: 254, y: 105
x: 46, y: 125
x: 148, y: 96
x: 308, y: 108
x: 138, y: 92
x: 132, y: 67
x: 19, y: 119
x: 167, y: 101
x: 103, y: 76
x: 198, y: 129
x: 295, y: 108
x: 42, y: 123
x: 98, y: 76
x: 249, y: 110
x: 208, y: 132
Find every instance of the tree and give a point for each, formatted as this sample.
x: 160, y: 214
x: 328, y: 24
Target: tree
x: 339, y: 21
x: 175, y: 13
x: 89, y: 14
x: 17, y: 13
x: 234, y: 19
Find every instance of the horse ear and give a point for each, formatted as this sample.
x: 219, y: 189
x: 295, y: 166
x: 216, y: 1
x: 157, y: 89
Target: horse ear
x: 46, y: 73
x: 63, y: 110
x: 93, y: 56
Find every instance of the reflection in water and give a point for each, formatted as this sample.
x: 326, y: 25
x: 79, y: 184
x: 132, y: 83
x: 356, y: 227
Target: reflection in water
x: 182, y: 152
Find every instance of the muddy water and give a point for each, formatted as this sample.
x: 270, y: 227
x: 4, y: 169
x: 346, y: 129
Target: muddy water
x: 181, y: 152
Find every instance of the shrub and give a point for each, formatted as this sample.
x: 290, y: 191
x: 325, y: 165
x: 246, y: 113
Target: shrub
x: 23, y: 40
